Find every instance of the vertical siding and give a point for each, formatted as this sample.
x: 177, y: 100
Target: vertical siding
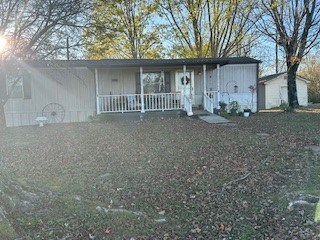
x: 302, y: 91
x: 71, y: 88
x: 273, y: 94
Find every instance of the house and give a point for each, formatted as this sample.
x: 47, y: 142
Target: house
x: 273, y: 90
x: 71, y: 91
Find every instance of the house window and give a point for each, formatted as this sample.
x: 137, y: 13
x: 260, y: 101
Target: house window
x: 153, y: 82
x: 19, y: 86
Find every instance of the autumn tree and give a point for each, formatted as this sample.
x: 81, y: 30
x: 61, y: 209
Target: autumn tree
x: 294, y: 26
x: 33, y: 30
x: 123, y: 29
x: 311, y: 71
x: 208, y: 28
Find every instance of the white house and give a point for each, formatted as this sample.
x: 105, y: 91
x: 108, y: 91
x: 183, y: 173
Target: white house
x: 71, y: 91
x: 273, y: 90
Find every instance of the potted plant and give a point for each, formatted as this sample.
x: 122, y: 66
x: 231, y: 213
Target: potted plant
x: 234, y: 108
x: 246, y: 112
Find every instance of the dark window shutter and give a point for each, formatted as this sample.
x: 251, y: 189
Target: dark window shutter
x: 138, y: 84
x: 26, y: 86
x: 167, y: 81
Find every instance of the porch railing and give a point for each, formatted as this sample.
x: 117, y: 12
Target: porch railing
x: 210, y: 101
x: 162, y: 101
x: 132, y: 102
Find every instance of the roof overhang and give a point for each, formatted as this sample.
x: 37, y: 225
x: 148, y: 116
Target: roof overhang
x: 119, y: 63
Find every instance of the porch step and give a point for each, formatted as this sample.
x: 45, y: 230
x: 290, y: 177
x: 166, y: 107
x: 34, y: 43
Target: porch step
x: 214, y: 119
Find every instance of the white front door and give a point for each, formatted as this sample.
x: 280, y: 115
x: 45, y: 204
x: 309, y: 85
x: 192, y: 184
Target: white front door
x: 189, y: 88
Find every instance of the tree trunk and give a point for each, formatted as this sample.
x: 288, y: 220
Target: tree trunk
x: 292, y: 86
x: 2, y: 117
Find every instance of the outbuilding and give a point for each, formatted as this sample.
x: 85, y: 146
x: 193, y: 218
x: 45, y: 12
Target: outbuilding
x: 273, y: 90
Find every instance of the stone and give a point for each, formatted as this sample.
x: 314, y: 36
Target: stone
x: 314, y: 148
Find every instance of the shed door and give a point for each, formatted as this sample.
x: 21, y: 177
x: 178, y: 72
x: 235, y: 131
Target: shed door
x: 283, y: 94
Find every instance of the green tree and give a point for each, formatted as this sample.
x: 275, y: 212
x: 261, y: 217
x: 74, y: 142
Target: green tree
x: 294, y: 25
x: 123, y: 29
x: 209, y: 28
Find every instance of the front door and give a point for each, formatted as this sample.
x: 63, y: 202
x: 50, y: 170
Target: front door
x: 189, y: 88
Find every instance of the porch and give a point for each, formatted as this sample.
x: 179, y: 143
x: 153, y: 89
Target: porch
x: 153, y: 102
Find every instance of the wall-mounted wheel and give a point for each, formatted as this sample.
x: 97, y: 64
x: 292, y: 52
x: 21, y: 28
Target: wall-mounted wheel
x: 54, y: 112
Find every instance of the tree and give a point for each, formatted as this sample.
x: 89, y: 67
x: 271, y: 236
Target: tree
x: 209, y: 28
x: 32, y: 29
x: 311, y: 71
x: 294, y: 25
x: 123, y: 29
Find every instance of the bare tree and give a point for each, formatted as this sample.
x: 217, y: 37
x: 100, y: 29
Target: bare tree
x: 294, y: 25
x: 209, y: 28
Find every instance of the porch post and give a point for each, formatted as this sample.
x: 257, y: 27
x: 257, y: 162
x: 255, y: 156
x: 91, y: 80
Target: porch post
x: 97, y: 90
x: 184, y: 80
x: 218, y: 76
x: 204, y: 79
x: 141, y: 92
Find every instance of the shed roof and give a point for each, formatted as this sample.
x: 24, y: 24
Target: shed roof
x: 108, y: 63
x: 274, y: 76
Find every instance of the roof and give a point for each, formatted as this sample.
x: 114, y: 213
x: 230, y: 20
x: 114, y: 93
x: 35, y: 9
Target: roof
x: 105, y: 63
x: 274, y: 76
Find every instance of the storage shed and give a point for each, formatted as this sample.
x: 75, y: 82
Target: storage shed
x: 273, y: 90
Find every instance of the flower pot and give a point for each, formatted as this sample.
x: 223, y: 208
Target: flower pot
x: 246, y: 114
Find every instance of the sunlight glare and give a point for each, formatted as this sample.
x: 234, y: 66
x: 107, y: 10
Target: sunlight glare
x: 3, y: 43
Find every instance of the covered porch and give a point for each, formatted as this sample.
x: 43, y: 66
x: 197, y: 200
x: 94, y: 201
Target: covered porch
x: 158, y: 88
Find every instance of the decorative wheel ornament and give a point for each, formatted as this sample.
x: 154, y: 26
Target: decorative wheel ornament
x: 54, y: 112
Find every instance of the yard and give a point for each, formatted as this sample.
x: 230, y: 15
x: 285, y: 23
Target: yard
x: 164, y: 178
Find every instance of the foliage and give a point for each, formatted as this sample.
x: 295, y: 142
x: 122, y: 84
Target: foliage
x: 293, y: 25
x: 38, y: 29
x: 123, y: 29
x: 223, y: 105
x: 286, y: 107
x: 207, y: 28
x: 234, y: 107
x: 311, y: 71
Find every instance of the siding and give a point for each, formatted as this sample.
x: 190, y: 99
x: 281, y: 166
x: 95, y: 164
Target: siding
x: 277, y: 90
x: 71, y: 88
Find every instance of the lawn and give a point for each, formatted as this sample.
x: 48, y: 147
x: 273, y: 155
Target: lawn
x: 165, y: 178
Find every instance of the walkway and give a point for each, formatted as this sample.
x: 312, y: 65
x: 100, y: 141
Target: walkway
x: 210, y: 118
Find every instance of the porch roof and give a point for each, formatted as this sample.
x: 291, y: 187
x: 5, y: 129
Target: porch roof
x: 110, y: 63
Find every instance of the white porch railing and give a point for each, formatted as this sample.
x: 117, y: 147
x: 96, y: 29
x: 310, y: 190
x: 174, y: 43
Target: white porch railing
x: 162, y: 101
x: 187, y: 105
x: 132, y: 102
x: 210, y: 101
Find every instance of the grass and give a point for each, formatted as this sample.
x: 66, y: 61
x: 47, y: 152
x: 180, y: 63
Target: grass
x: 115, y: 179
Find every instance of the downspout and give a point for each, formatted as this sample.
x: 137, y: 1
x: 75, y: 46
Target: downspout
x: 142, y: 91
x: 97, y: 91
x: 218, y: 85
x: 257, y: 88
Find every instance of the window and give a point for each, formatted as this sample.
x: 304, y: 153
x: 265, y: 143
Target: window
x: 19, y: 86
x: 153, y: 82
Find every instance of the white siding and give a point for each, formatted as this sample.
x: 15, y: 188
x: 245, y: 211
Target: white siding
x: 71, y: 88
x: 276, y: 91
x: 242, y: 76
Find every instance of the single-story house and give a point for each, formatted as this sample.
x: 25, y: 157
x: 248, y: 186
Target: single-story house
x: 71, y: 91
x: 273, y: 90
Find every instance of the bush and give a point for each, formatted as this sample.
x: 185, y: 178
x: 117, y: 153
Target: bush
x: 286, y: 107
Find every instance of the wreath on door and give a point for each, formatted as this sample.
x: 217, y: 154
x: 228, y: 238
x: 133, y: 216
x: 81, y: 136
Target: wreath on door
x: 187, y: 80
